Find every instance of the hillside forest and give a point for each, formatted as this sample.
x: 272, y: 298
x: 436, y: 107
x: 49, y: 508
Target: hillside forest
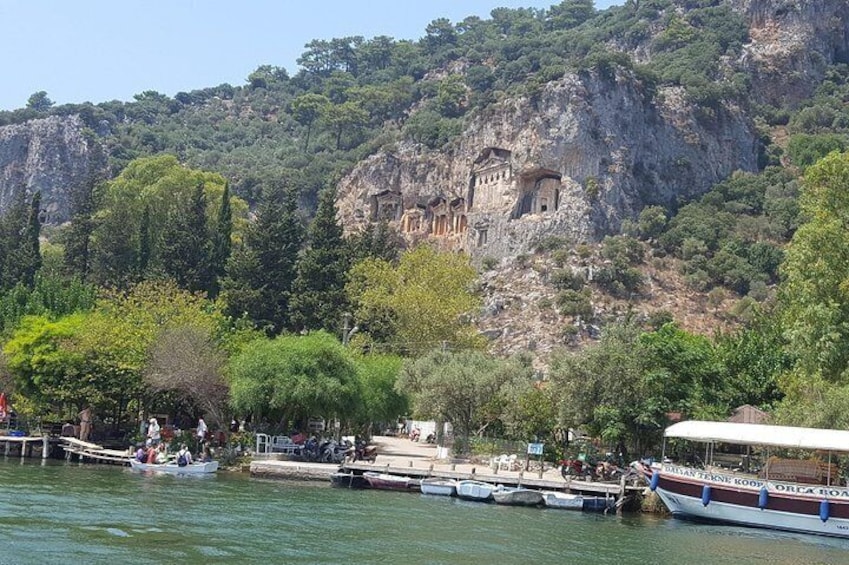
x: 207, y: 273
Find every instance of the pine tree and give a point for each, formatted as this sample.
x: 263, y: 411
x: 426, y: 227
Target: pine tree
x: 186, y: 249
x: 260, y: 273
x: 221, y: 245
x: 318, y: 297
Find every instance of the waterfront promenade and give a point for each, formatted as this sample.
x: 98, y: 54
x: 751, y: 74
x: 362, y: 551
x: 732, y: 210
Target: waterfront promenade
x: 400, y: 456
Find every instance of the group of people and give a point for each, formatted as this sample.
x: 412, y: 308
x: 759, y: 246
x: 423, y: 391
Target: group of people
x: 155, y: 451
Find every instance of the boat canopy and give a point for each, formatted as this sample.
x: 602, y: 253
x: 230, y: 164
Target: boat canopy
x: 760, y: 434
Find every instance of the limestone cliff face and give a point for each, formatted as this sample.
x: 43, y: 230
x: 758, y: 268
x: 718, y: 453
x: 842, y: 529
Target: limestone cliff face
x: 791, y: 44
x: 589, y: 152
x: 52, y: 155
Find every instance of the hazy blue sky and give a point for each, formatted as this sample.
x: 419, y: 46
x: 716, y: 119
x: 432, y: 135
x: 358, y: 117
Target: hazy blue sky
x: 99, y: 50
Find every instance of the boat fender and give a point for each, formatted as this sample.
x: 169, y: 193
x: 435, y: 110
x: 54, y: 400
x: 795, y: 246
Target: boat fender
x: 655, y: 478
x: 706, y: 495
x: 763, y: 498
x: 824, y: 510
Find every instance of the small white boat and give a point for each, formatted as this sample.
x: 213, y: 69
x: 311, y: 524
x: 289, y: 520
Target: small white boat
x: 517, y: 496
x: 174, y: 469
x: 439, y: 487
x: 387, y: 481
x: 475, y: 490
x: 562, y: 500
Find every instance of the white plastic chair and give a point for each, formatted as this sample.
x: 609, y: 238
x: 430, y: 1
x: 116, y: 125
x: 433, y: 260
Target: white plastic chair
x: 504, y: 463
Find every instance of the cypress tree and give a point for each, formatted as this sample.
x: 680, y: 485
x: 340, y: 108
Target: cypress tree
x: 145, y: 243
x: 221, y: 244
x: 260, y: 273
x: 186, y: 248
x: 318, y: 297
x: 19, y: 231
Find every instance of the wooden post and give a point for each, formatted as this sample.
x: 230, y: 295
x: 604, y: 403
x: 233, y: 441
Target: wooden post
x: 45, y: 447
x: 7, y: 448
x: 23, y: 449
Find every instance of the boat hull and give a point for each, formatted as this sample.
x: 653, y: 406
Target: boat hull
x: 737, y: 500
x: 207, y: 468
x: 517, y: 496
x: 563, y: 501
x: 348, y: 480
x: 384, y: 481
x: 475, y: 490
x: 439, y: 487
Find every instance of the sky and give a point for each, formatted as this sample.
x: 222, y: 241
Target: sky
x: 101, y: 50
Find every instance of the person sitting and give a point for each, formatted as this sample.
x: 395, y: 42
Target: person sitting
x: 141, y: 454
x: 184, y: 456
x: 151, y: 453
x: 162, y: 455
x: 205, y: 456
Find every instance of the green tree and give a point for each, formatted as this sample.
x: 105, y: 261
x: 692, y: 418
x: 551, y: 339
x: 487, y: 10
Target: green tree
x: 459, y: 388
x: 221, y: 241
x: 418, y: 305
x: 39, y: 101
x: 186, y: 248
x: 261, y: 272
x: 295, y: 377
x: 814, y: 291
x: 318, y: 296
x: 306, y: 109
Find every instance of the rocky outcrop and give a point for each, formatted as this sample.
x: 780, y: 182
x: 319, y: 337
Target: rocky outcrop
x: 791, y: 43
x: 53, y: 155
x: 592, y: 150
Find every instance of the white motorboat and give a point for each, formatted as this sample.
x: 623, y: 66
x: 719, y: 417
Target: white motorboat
x: 173, y: 469
x: 475, y: 490
x: 439, y: 487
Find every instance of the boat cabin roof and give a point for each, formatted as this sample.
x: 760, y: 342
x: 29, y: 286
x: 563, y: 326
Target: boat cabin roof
x: 760, y: 434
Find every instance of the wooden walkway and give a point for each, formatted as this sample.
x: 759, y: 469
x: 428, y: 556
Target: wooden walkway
x: 93, y: 452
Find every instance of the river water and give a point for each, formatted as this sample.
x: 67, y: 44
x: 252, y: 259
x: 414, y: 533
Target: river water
x: 71, y: 513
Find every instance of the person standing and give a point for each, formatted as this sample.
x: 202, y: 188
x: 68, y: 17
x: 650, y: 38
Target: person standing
x: 201, y: 432
x: 153, y: 432
x: 85, y: 423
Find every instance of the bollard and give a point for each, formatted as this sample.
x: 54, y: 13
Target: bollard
x: 453, y: 466
x: 410, y: 463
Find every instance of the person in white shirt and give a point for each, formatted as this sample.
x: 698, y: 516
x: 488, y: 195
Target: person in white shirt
x: 201, y: 432
x: 153, y: 432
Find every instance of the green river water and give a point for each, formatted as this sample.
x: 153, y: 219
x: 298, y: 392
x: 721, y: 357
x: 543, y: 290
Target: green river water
x: 70, y: 513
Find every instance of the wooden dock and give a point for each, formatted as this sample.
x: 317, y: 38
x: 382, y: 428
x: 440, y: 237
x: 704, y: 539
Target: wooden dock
x: 27, y: 443
x: 91, y: 451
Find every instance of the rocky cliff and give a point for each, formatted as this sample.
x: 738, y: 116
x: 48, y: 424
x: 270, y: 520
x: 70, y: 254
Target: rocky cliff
x: 594, y: 148
x: 54, y: 155
x: 590, y: 151
x: 791, y: 42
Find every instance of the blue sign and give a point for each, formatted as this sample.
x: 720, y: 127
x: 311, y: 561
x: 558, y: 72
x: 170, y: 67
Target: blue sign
x: 535, y: 448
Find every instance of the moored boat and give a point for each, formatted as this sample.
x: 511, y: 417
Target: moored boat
x: 198, y: 468
x: 439, y: 487
x: 800, y: 495
x: 562, y: 500
x: 516, y: 496
x: 386, y: 481
x: 348, y: 479
x: 475, y: 490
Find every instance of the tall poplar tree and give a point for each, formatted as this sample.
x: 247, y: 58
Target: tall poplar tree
x: 19, y: 232
x: 318, y: 298
x: 261, y: 271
